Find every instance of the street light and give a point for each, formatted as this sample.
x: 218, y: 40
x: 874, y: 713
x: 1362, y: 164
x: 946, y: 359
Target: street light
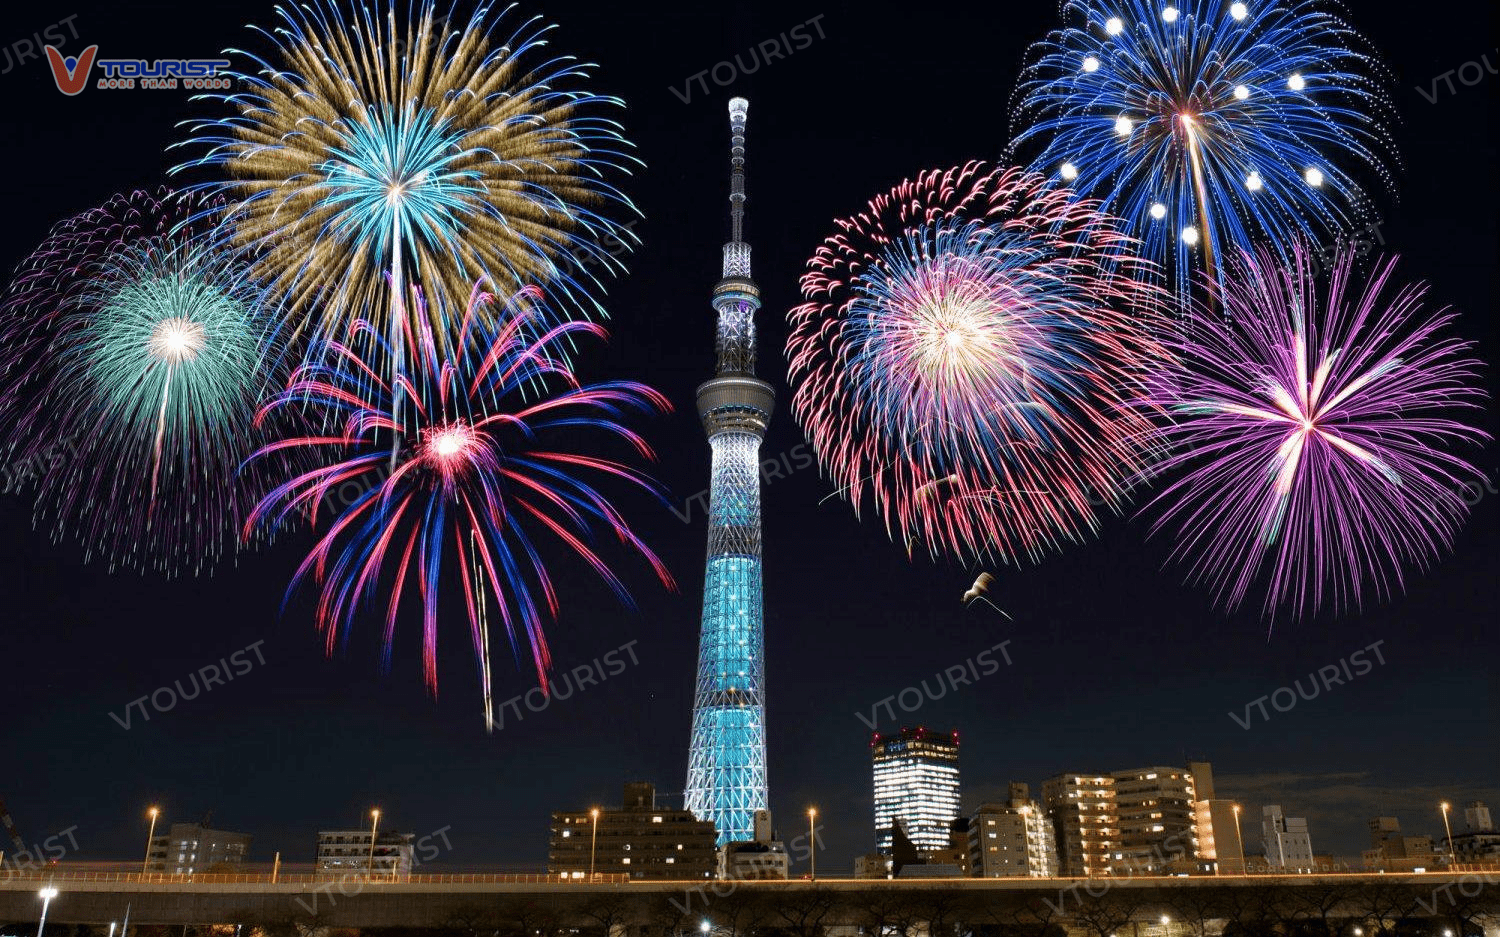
x: 47, y: 894
x: 1239, y: 842
x: 150, y: 835
x: 812, y: 836
x: 374, y: 827
x: 593, y: 841
x: 1452, y: 857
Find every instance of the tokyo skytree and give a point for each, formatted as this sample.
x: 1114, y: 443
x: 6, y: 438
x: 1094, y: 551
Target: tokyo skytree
x: 726, y: 780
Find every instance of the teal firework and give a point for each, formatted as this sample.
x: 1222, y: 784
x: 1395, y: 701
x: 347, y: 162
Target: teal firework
x: 147, y: 407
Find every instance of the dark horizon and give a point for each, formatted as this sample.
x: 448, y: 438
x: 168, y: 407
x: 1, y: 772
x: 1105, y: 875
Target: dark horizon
x: 1116, y: 663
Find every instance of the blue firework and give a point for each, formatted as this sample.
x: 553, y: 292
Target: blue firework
x: 1209, y: 124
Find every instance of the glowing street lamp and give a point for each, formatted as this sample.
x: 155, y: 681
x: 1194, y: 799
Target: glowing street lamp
x: 150, y: 835
x: 812, y: 814
x: 594, y: 841
x: 46, y: 894
x: 1452, y: 857
x: 374, y: 828
x: 1239, y: 842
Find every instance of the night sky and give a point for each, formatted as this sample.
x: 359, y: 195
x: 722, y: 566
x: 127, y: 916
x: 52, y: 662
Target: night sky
x: 1116, y: 663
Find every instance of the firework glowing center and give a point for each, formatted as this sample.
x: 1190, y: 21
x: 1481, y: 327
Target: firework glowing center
x: 1303, y: 410
x: 177, y: 340
x: 450, y: 446
x: 947, y: 316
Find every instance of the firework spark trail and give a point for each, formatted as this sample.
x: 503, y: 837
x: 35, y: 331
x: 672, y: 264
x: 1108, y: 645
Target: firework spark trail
x: 145, y: 346
x: 376, y: 154
x: 968, y: 357
x: 1211, y: 125
x: 1312, y: 435
x: 485, y: 480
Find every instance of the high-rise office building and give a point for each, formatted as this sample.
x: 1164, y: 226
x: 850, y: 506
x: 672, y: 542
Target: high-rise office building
x: 638, y: 839
x: 1086, y: 822
x: 916, y: 785
x: 192, y: 848
x: 726, y: 781
x: 1012, y: 839
x: 1287, y: 844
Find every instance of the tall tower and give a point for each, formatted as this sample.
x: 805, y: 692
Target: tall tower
x: 726, y: 780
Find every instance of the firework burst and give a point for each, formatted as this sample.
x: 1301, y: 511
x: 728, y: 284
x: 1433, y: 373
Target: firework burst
x: 482, y: 479
x: 144, y: 362
x: 391, y: 149
x: 56, y: 275
x: 967, y: 358
x: 1206, y: 123
x: 1312, y: 445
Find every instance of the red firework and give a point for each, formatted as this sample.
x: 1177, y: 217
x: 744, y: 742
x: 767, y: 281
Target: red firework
x: 970, y: 357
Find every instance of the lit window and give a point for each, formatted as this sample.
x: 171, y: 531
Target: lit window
x: 625, y: 861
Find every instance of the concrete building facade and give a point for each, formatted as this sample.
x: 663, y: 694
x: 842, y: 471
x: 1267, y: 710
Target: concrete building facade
x: 190, y: 848
x: 1479, y: 842
x: 1392, y: 851
x: 1016, y: 838
x: 344, y: 851
x: 1158, y: 819
x: 1286, y: 842
x: 1085, y: 822
x: 637, y: 839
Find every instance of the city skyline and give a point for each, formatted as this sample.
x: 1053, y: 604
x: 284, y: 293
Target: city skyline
x: 1112, y: 661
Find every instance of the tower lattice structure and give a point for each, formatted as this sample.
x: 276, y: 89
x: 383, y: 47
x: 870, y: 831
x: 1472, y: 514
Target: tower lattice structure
x: 726, y: 780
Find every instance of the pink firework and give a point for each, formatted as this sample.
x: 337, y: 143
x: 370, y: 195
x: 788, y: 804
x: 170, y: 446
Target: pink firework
x: 970, y: 357
x: 1313, y: 437
x: 493, y: 465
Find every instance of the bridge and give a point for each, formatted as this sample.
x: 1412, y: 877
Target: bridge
x: 1434, y: 904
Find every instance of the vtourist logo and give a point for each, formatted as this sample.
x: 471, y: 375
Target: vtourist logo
x: 71, y: 73
x: 981, y: 665
x: 1331, y: 675
x: 216, y: 674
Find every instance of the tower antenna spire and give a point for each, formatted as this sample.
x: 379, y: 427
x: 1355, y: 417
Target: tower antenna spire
x: 739, y: 108
x: 737, y: 252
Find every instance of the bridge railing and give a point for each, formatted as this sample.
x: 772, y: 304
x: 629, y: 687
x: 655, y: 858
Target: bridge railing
x: 311, y: 878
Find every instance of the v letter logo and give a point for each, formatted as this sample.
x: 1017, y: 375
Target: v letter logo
x: 70, y: 81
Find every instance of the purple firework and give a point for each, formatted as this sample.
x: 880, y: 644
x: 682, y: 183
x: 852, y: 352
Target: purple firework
x: 1314, y: 423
